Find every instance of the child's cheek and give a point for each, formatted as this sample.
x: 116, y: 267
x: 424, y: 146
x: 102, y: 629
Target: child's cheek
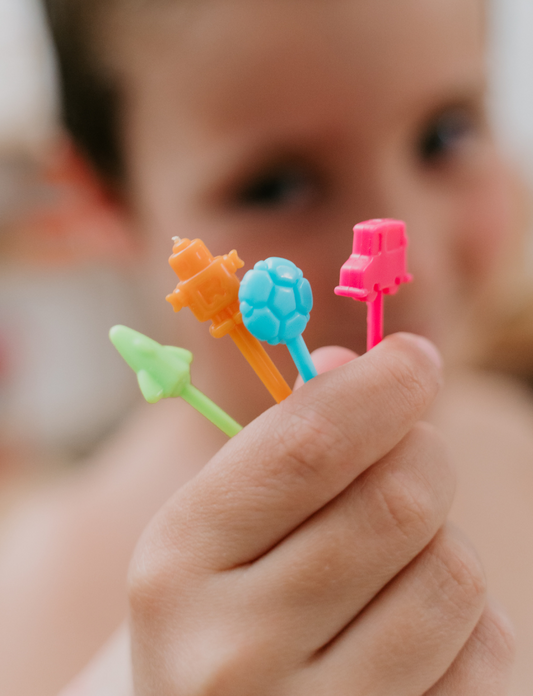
x: 490, y: 223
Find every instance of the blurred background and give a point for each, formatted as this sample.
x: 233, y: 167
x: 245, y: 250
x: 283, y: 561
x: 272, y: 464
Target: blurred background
x: 65, y: 258
x: 65, y: 274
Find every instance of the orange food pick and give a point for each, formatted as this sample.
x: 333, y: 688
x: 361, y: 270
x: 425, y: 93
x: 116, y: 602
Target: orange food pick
x: 209, y: 286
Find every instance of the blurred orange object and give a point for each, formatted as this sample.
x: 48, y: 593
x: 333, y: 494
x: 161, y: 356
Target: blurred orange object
x: 71, y: 217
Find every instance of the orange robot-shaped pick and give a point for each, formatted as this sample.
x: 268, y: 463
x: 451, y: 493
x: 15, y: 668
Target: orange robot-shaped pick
x: 209, y: 286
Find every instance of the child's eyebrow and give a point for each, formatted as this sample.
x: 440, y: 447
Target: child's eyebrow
x: 468, y: 93
x: 236, y: 162
x: 470, y: 97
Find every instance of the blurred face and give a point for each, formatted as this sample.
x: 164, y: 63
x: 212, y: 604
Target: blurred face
x: 274, y: 127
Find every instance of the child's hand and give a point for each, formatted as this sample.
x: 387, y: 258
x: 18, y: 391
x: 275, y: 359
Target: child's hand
x: 310, y: 556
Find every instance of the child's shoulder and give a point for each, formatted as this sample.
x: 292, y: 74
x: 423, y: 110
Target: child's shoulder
x: 486, y: 412
x: 488, y: 422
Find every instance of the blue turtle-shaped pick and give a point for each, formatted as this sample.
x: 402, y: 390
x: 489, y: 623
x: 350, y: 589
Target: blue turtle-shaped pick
x: 275, y: 303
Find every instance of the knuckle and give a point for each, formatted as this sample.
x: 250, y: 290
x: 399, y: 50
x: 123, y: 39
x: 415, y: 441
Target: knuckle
x: 400, y: 506
x: 459, y: 574
x: 229, y: 665
x: 428, y: 433
x: 411, y: 497
x: 326, y: 568
x: 308, y: 438
x: 162, y: 570
x: 143, y: 585
x: 496, y: 637
x: 416, y: 385
x: 428, y: 449
x: 150, y: 578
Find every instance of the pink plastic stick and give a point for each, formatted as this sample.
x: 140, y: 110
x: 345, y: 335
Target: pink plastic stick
x: 374, y: 322
x: 377, y: 267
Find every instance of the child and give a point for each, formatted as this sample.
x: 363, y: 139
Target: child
x: 312, y: 555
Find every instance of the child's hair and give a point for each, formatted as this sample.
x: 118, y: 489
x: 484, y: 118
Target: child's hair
x: 90, y: 99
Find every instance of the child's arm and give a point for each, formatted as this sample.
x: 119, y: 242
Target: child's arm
x: 64, y: 552
x: 488, y: 424
x: 108, y: 673
x: 310, y: 555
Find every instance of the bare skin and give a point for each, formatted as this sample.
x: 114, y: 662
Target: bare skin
x: 488, y: 423
x: 330, y: 104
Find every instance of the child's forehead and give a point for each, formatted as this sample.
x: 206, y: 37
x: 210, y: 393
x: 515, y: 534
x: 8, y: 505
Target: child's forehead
x: 235, y: 28
x: 234, y: 61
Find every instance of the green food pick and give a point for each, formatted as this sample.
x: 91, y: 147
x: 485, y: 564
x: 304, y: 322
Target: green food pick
x: 164, y: 372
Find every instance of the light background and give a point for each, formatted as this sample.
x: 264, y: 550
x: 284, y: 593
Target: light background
x: 512, y: 70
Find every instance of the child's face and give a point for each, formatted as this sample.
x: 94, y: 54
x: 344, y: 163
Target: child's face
x: 273, y: 127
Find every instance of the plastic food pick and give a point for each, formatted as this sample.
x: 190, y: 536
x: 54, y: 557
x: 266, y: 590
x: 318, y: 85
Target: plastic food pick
x: 275, y: 303
x: 164, y: 372
x: 209, y: 286
x: 377, y: 267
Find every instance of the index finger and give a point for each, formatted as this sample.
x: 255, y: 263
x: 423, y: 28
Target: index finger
x: 300, y: 455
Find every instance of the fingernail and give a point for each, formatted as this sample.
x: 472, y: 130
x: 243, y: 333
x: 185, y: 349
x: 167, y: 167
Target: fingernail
x: 428, y: 348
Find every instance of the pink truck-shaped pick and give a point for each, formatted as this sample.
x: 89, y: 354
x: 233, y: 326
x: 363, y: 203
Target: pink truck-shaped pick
x: 378, y: 262
x: 377, y: 267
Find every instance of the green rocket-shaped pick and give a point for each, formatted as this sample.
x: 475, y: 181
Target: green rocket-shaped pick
x: 164, y: 372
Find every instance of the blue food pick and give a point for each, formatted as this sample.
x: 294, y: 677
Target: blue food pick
x: 275, y: 302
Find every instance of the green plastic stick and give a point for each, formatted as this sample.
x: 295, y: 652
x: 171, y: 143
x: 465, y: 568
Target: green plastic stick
x: 164, y: 372
x: 211, y: 411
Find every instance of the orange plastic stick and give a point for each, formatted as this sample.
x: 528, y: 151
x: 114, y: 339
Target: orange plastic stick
x: 260, y: 361
x: 210, y: 287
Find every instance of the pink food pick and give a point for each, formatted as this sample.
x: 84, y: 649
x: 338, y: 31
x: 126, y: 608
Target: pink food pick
x: 377, y: 267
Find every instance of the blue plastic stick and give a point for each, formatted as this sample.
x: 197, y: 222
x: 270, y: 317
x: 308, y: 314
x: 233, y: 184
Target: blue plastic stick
x: 302, y: 358
x: 275, y: 304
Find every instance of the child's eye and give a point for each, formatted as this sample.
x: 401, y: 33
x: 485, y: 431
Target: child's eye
x: 446, y: 135
x: 285, y: 185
